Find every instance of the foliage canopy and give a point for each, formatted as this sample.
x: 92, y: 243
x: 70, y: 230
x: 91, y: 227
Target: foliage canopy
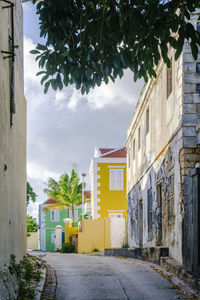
x: 31, y: 224
x: 88, y: 42
x: 30, y: 194
x: 67, y: 191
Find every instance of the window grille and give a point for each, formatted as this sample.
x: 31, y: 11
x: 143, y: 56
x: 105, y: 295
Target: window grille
x: 171, y: 198
x: 150, y: 208
x: 55, y: 216
x: 116, y: 179
x: 169, y: 79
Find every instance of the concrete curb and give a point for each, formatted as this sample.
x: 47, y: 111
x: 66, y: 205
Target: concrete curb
x: 40, y: 285
x: 49, y: 290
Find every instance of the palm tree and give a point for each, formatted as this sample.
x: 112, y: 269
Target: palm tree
x: 67, y: 192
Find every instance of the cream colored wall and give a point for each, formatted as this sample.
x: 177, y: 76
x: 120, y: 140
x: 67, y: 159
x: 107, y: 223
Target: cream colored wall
x: 12, y: 146
x: 173, y: 123
x: 164, y: 120
x: 33, y: 240
x: 94, y: 234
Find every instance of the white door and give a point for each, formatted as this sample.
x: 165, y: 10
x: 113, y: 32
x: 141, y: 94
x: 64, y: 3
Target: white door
x: 43, y: 239
x: 117, y: 230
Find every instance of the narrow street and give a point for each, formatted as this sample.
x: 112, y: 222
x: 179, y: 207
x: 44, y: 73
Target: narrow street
x: 81, y: 276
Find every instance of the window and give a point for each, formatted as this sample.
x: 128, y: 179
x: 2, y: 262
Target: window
x: 133, y: 149
x: 55, y: 216
x: 169, y: 79
x: 171, y: 197
x: 198, y: 26
x: 139, y: 136
x: 75, y: 215
x: 116, y: 179
x: 147, y: 121
x: 150, y: 208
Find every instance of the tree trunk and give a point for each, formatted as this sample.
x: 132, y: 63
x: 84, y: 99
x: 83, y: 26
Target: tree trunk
x: 73, y: 217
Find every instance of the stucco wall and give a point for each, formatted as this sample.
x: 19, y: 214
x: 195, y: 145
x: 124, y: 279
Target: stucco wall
x: 103, y: 200
x: 12, y: 145
x: 94, y: 234
x: 173, y: 129
x: 33, y: 240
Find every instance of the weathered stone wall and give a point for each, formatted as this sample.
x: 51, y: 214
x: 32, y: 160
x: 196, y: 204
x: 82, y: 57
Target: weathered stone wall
x: 12, y: 144
x: 168, y: 151
x: 8, y: 284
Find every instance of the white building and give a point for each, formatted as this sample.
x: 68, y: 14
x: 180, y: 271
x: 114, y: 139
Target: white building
x: 163, y: 147
x: 12, y: 133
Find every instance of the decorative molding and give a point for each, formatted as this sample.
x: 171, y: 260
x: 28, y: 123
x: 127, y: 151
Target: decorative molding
x: 117, y: 167
x: 115, y: 210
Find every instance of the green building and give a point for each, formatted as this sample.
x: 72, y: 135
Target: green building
x: 48, y: 220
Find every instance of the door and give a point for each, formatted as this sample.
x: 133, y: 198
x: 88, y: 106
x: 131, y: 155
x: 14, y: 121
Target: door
x: 159, y: 214
x: 117, y: 230
x: 140, y: 223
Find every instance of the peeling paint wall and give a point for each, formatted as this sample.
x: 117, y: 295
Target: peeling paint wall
x: 161, y: 153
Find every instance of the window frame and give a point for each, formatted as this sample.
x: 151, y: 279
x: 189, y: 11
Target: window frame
x: 55, y: 215
x: 169, y: 80
x: 115, y: 187
x: 139, y: 138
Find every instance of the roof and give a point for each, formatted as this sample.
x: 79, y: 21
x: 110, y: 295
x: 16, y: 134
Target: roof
x: 50, y: 201
x: 113, y: 152
x: 105, y: 150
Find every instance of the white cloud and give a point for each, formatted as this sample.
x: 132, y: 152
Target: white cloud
x: 36, y: 171
x: 64, y: 126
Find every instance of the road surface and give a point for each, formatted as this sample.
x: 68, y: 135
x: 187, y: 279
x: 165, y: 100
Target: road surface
x: 82, y: 277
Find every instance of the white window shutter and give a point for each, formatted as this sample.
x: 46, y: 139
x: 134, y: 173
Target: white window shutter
x: 116, y: 179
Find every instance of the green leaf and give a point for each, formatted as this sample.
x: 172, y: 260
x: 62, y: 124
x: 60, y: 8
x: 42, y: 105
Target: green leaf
x: 41, y: 47
x: 54, y: 84
x: 44, y: 78
x: 194, y: 49
x: 46, y: 86
x: 40, y: 72
x: 106, y: 80
x: 34, y: 52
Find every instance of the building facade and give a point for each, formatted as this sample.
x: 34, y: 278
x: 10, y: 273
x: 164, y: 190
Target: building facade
x: 163, y: 149
x: 12, y: 133
x: 108, y: 183
x: 48, y: 220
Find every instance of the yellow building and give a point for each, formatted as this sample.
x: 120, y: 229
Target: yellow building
x: 108, y: 183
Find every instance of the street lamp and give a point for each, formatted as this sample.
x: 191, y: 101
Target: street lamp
x: 83, y: 175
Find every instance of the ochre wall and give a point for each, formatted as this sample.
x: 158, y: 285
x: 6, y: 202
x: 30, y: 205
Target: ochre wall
x: 95, y: 234
x: 110, y: 199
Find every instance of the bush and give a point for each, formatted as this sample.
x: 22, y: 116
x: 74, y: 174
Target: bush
x: 125, y: 245
x: 95, y: 250
x: 28, y: 272
x: 68, y: 248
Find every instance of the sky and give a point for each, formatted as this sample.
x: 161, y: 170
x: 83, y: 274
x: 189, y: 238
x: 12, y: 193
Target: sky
x: 64, y: 127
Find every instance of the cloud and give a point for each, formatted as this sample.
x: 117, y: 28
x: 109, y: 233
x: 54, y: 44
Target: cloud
x: 64, y: 126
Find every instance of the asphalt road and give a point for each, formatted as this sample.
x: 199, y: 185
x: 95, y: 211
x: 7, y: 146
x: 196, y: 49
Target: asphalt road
x: 82, y: 277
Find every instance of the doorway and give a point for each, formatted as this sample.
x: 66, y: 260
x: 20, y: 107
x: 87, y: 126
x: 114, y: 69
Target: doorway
x: 159, y: 213
x: 140, y: 223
